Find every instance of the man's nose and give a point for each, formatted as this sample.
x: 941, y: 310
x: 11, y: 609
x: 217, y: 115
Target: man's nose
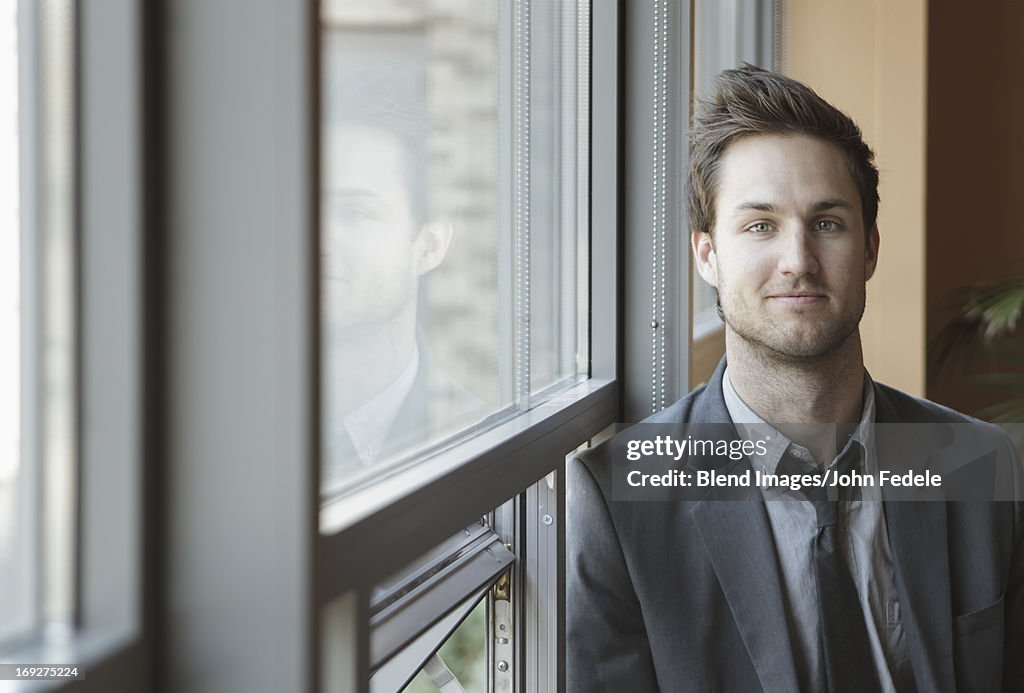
x: 797, y: 254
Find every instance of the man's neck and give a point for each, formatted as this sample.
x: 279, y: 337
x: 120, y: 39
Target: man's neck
x: 364, y: 360
x: 813, y: 402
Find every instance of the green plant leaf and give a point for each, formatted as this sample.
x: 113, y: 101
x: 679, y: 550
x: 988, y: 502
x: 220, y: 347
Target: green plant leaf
x: 997, y: 308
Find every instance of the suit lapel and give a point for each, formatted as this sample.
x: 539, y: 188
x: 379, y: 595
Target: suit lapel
x: 920, y: 554
x: 734, y: 526
x: 742, y: 551
x: 738, y: 540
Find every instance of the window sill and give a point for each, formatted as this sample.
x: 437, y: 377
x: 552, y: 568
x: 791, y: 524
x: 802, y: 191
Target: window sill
x: 109, y: 659
x: 366, y: 534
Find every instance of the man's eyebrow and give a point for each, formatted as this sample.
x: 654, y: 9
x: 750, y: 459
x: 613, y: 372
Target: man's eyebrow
x: 759, y: 206
x: 351, y: 192
x: 831, y: 203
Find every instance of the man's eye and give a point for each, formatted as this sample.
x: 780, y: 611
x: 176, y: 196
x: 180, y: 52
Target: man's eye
x: 352, y: 214
x: 826, y: 225
x: 760, y: 227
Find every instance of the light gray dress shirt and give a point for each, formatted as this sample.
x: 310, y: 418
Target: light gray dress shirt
x: 864, y: 539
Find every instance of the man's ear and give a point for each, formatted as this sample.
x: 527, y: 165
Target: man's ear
x: 432, y: 245
x: 704, y: 256
x: 871, y: 253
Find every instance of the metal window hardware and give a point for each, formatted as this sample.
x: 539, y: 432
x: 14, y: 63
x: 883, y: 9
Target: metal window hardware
x: 500, y: 591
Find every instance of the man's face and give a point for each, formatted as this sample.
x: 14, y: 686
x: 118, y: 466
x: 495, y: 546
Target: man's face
x: 789, y: 255
x: 371, y: 240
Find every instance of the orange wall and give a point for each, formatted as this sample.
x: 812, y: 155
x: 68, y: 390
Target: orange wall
x: 868, y: 58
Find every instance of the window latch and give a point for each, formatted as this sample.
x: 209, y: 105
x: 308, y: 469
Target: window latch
x: 502, y: 676
x: 500, y: 591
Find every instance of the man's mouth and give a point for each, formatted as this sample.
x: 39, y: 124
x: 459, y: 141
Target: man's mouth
x: 798, y: 298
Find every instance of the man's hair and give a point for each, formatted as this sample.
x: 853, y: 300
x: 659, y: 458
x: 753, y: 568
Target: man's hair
x: 753, y: 101
x: 390, y: 97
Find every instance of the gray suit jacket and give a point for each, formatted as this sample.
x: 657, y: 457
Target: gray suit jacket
x: 685, y: 595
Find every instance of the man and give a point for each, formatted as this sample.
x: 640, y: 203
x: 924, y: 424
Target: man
x: 854, y: 589
x: 384, y: 394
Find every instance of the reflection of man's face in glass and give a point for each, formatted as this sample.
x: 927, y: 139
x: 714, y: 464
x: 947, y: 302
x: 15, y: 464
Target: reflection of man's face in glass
x: 372, y: 241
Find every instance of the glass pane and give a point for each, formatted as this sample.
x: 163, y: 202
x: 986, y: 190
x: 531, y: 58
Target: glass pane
x: 15, y: 567
x: 726, y: 34
x: 453, y: 271
x: 37, y: 432
x: 56, y: 308
x: 559, y: 162
x: 464, y: 654
x: 410, y: 246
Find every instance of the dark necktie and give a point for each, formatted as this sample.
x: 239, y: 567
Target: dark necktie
x: 846, y: 650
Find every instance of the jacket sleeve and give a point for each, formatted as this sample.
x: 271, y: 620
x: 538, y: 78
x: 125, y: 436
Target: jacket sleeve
x: 606, y: 643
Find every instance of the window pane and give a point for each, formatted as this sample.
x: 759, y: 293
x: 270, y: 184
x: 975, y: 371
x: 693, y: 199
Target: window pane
x: 56, y: 308
x: 450, y: 220
x: 464, y: 655
x: 559, y: 151
x: 726, y: 34
x: 16, y: 572
x: 37, y: 428
x: 410, y: 245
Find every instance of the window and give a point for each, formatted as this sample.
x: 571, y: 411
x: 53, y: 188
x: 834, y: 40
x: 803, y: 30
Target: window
x: 461, y: 337
x: 462, y: 659
x: 726, y: 34
x: 71, y: 172
x: 410, y: 229
x: 468, y: 614
x: 15, y: 565
x: 454, y: 222
x: 38, y: 443
x: 456, y: 321
x: 445, y: 601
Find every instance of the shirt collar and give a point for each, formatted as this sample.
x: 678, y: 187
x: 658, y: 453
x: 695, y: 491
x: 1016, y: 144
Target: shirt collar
x: 750, y: 426
x: 368, y: 425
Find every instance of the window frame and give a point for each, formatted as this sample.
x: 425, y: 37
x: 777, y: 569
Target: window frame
x: 378, y: 529
x: 178, y: 344
x: 655, y: 327
x: 110, y: 638
x: 29, y: 484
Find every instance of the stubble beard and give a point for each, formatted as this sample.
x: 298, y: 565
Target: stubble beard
x: 769, y: 344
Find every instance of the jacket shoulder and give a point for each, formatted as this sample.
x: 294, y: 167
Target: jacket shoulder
x: 598, y: 459
x: 938, y: 425
x: 911, y: 409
